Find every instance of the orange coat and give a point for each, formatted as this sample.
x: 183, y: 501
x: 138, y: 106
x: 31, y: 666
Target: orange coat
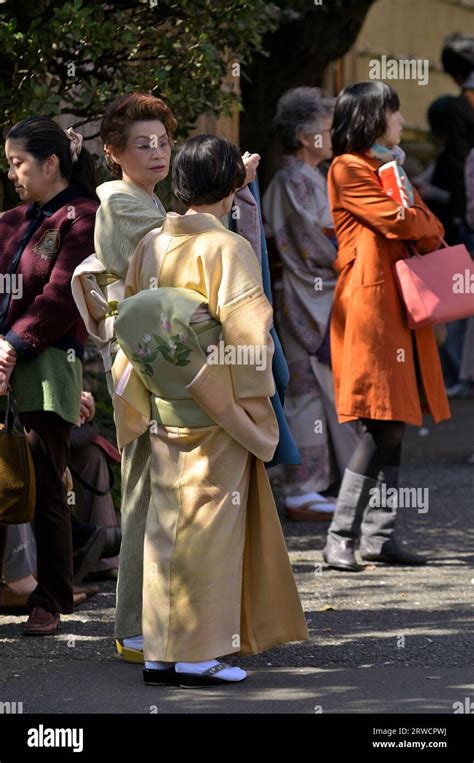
x: 371, y: 344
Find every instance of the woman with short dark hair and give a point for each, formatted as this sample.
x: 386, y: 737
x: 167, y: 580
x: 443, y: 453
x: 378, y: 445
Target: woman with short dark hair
x: 138, y: 133
x: 196, y: 328
x: 361, y: 111
x: 207, y: 169
x: 385, y: 374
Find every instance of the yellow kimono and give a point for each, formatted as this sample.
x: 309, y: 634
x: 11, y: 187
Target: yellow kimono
x: 217, y: 577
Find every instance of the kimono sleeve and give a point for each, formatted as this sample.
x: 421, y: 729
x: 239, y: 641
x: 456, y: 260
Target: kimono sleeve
x: 238, y: 302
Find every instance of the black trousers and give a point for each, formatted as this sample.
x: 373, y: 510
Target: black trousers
x: 48, y: 436
x: 380, y: 445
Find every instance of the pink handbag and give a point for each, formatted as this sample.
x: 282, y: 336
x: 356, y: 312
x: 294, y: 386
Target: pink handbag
x: 437, y: 287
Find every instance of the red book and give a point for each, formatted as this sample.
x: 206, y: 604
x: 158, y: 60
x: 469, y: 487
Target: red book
x: 392, y: 183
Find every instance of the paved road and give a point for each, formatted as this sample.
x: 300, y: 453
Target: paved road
x: 383, y: 640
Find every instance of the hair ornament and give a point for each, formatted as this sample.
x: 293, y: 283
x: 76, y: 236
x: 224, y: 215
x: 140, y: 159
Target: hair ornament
x: 76, y: 140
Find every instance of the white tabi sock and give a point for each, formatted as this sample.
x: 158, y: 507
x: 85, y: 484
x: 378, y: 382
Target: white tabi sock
x: 228, y: 674
x: 158, y: 665
x: 307, y: 500
x: 135, y: 642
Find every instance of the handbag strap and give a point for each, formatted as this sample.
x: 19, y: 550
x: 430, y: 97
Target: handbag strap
x: 414, y: 251
x: 90, y: 487
x: 12, y: 415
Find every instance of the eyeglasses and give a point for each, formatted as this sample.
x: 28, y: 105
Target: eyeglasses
x: 152, y: 145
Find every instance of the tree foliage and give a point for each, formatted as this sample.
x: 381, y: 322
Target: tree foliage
x: 308, y: 37
x: 73, y: 57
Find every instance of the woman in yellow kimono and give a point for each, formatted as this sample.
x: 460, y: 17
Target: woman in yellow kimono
x: 217, y: 577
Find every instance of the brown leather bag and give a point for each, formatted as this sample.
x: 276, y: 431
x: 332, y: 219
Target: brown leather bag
x: 17, y: 473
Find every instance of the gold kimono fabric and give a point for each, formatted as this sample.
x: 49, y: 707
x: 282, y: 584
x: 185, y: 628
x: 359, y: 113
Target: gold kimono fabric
x: 217, y: 577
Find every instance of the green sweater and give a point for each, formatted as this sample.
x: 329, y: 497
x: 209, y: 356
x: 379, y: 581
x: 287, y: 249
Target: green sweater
x: 49, y: 382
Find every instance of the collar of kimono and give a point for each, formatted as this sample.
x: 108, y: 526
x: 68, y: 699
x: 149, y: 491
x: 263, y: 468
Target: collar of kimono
x: 295, y: 163
x: 105, y: 190
x: 184, y: 225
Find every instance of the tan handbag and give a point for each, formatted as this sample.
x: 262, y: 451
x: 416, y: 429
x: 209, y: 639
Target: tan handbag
x: 17, y: 473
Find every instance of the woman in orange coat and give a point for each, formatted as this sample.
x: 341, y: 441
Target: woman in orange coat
x: 385, y: 374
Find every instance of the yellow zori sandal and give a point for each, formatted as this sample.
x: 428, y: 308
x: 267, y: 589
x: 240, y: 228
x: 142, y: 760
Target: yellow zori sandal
x: 129, y: 655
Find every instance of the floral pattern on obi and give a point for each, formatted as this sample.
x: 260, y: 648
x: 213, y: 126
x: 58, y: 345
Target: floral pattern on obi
x: 173, y: 348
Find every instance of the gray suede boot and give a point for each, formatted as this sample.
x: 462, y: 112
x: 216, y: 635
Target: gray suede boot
x: 378, y: 543
x: 343, y: 532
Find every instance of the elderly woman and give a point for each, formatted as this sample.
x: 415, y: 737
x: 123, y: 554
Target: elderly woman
x: 217, y: 578
x: 297, y: 212
x: 137, y: 130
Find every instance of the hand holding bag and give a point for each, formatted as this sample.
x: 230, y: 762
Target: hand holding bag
x: 17, y: 473
x: 437, y: 287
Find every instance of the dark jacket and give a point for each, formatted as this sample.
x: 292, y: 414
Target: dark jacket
x: 460, y: 141
x: 43, y: 246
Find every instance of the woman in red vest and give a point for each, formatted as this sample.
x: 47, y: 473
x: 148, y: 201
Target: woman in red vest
x: 41, y: 334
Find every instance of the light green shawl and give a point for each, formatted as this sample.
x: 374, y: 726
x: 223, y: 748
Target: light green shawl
x: 126, y: 214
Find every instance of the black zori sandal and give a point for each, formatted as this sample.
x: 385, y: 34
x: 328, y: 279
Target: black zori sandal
x: 206, y: 678
x: 157, y: 677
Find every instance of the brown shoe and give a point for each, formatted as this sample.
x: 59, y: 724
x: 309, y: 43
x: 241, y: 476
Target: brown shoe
x: 41, y: 623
